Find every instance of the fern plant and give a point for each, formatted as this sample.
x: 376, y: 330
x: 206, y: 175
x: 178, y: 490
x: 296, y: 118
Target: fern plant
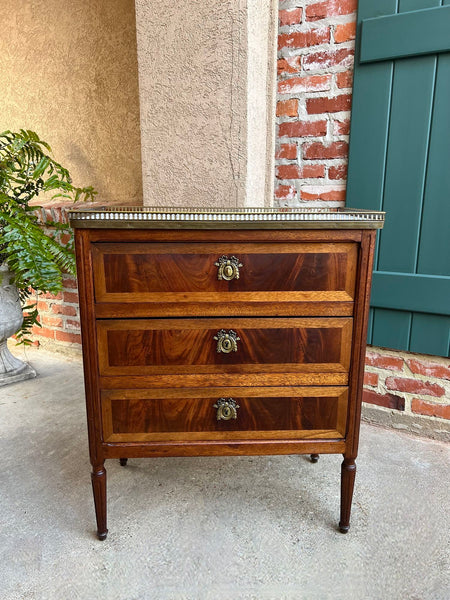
x: 33, y: 253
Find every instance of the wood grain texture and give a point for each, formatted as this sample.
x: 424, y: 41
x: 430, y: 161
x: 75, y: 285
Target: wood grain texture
x: 348, y: 474
x: 178, y: 345
x: 224, y: 235
x: 223, y: 379
x: 89, y: 343
x: 98, y: 478
x: 222, y: 448
x: 134, y: 272
x: 314, y: 304
x: 359, y: 342
x: 152, y: 370
x: 271, y: 413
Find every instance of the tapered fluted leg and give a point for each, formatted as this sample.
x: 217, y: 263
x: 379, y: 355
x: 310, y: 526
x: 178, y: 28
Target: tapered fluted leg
x: 99, y: 488
x: 348, y: 472
x: 123, y: 461
x: 314, y: 458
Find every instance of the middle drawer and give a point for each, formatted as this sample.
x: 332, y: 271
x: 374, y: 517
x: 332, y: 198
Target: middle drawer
x: 224, y: 345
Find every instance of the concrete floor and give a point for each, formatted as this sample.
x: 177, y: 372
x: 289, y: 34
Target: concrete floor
x: 210, y: 528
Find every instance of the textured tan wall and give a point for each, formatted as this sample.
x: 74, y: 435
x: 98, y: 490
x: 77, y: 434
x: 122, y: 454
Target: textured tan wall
x: 262, y: 27
x: 68, y: 69
x: 194, y: 98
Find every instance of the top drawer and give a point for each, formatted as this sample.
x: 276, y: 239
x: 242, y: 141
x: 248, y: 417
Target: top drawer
x: 229, y: 273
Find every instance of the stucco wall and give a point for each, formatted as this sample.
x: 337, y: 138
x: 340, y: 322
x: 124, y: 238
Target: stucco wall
x: 196, y: 104
x: 68, y: 70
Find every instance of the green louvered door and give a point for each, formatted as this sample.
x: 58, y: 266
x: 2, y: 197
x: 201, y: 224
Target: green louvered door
x: 400, y: 162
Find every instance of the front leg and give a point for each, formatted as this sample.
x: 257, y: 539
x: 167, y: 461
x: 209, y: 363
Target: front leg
x: 98, y: 477
x: 348, y: 473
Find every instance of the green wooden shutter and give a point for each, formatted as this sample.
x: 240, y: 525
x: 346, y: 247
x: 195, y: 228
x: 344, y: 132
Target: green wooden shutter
x: 400, y: 162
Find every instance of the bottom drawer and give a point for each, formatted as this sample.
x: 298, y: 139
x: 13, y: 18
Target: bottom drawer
x: 245, y: 413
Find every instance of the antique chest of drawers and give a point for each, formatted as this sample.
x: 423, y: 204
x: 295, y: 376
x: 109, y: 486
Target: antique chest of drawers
x: 223, y: 332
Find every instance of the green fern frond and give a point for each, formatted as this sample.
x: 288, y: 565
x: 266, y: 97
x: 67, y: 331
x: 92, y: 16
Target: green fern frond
x: 36, y: 257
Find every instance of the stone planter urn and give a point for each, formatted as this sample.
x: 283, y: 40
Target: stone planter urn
x: 12, y: 369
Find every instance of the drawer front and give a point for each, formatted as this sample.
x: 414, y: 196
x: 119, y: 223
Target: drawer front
x: 225, y: 272
x: 224, y: 346
x: 192, y: 414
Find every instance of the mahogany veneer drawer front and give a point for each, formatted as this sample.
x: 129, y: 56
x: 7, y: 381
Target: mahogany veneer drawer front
x: 318, y: 277
x: 223, y: 333
x: 269, y: 413
x: 223, y: 345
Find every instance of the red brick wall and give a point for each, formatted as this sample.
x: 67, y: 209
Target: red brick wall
x: 315, y: 62
x: 315, y: 67
x: 409, y: 383
x: 58, y: 315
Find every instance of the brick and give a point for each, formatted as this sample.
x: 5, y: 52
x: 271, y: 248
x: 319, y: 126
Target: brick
x: 314, y: 61
x: 433, y: 410
x: 345, y: 32
x: 344, y: 79
x: 341, y: 127
x: 65, y: 238
x: 48, y: 333
x: 287, y: 151
x: 72, y: 324
x: 337, y: 172
x: 310, y: 83
x: 290, y: 17
x: 47, y: 215
x: 330, y: 8
x: 43, y: 306
x: 58, y: 214
x: 70, y: 283
x: 370, y: 378
x: 287, y: 108
x: 64, y: 336
x: 70, y: 297
x: 386, y: 400
x: 319, y: 150
x: 384, y: 361
x: 295, y: 172
x: 285, y: 192
x: 304, y: 39
x: 322, y: 192
x: 289, y: 65
x: 339, y: 103
x: 49, y: 296
x: 312, y: 171
x: 300, y: 129
x: 429, y: 370
x: 62, y: 309
x: 288, y: 172
x: 414, y: 386
x: 51, y: 321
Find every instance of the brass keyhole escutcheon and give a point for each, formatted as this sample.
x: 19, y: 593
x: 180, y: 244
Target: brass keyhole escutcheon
x: 226, y: 345
x: 226, y: 341
x: 226, y: 409
x: 228, y: 268
x: 228, y: 271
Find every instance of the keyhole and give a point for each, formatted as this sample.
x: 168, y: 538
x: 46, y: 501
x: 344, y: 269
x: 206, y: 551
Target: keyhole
x: 228, y: 271
x: 226, y: 344
x: 226, y: 412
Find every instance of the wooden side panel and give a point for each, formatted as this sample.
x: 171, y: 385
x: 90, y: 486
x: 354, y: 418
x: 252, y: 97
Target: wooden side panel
x: 174, y: 346
x: 266, y: 413
x: 89, y: 345
x: 356, y: 375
